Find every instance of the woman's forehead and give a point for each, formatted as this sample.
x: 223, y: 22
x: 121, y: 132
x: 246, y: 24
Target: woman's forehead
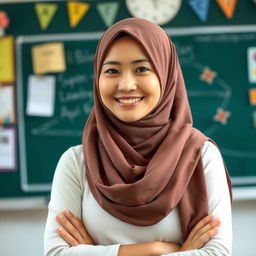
x: 126, y: 48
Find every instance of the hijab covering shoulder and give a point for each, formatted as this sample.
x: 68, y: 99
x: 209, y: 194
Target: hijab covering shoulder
x: 139, y: 171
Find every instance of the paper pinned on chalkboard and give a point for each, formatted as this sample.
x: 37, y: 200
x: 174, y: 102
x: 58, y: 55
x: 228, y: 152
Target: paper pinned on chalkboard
x: 41, y: 96
x: 48, y: 58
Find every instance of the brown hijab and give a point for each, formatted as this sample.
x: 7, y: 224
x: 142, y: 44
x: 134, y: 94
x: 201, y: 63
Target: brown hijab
x: 139, y: 171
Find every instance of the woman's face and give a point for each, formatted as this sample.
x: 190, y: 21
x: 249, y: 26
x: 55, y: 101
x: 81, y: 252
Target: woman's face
x: 128, y: 84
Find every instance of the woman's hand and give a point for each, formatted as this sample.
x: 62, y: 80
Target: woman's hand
x: 74, y: 233
x: 203, y: 231
x: 73, y: 230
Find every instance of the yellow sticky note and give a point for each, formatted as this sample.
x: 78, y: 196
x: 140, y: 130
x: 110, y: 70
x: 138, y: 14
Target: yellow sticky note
x: 7, y: 74
x: 45, y: 13
x: 49, y: 57
x: 252, y: 96
x: 76, y: 11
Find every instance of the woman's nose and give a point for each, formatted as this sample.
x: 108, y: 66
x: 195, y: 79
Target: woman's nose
x: 127, y: 83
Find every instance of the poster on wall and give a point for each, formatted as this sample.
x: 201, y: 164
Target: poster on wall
x: 7, y: 74
x: 7, y: 149
x: 7, y: 106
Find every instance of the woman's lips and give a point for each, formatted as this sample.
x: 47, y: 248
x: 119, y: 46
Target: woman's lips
x: 129, y: 101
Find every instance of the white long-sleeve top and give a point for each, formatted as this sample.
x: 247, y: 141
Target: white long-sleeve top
x: 70, y: 190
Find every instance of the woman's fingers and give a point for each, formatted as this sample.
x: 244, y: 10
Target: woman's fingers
x: 69, y: 228
x: 75, y: 227
x: 204, y: 230
x: 203, y: 222
x: 78, y: 224
x: 67, y: 237
x: 75, y: 221
x: 204, y: 238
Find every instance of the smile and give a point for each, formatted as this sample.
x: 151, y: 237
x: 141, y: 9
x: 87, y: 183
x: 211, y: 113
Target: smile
x: 131, y: 100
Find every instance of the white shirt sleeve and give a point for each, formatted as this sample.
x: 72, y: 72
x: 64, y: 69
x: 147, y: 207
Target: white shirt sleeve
x: 67, y: 192
x: 219, y: 205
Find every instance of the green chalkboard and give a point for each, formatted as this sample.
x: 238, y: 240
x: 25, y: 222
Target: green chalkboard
x: 219, y: 43
x: 226, y: 55
x: 43, y: 139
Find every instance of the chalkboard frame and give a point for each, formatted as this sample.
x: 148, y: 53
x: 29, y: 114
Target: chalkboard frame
x: 174, y: 32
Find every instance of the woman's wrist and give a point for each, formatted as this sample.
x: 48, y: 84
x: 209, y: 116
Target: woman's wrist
x: 160, y: 248
x: 141, y: 249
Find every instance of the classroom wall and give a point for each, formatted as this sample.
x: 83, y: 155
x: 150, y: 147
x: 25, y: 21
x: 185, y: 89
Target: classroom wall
x: 21, y: 231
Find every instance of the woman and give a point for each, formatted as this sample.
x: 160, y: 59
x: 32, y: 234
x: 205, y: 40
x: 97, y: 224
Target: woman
x: 144, y: 181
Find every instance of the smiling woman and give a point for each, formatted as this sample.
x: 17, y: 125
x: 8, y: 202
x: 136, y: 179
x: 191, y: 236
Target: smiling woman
x: 144, y: 182
x: 128, y: 84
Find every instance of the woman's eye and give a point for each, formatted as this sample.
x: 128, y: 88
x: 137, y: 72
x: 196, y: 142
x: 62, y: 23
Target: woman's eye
x: 111, y: 71
x: 142, y: 69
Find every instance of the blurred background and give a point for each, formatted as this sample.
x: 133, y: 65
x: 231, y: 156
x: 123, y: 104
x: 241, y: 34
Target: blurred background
x: 46, y: 71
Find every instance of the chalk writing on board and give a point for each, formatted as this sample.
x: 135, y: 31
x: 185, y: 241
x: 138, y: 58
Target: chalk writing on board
x: 234, y: 38
x: 48, y: 129
x: 70, y: 113
x: 71, y: 81
x: 79, y: 57
x: 185, y: 52
x: 75, y: 101
x: 79, y: 94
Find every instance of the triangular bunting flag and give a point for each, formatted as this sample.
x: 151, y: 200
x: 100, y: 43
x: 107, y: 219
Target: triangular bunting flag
x: 227, y: 6
x: 108, y: 12
x: 200, y: 7
x: 45, y: 13
x: 76, y: 11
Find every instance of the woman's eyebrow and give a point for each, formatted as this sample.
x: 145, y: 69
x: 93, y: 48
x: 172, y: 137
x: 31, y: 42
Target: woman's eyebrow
x: 112, y: 62
x: 140, y: 60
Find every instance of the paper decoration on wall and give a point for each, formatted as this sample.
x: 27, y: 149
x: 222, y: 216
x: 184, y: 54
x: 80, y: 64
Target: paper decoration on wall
x: 41, y: 96
x: 4, y: 20
x: 7, y: 74
x: 208, y: 75
x: 222, y: 116
x: 200, y: 7
x: 76, y: 11
x: 7, y: 149
x: 252, y: 96
x: 254, y: 119
x: 45, y: 14
x: 49, y: 57
x: 227, y: 6
x: 108, y: 12
x: 7, y: 109
x: 251, y: 53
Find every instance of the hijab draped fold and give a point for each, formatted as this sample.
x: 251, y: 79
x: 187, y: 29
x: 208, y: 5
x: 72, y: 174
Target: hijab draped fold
x: 139, y: 171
